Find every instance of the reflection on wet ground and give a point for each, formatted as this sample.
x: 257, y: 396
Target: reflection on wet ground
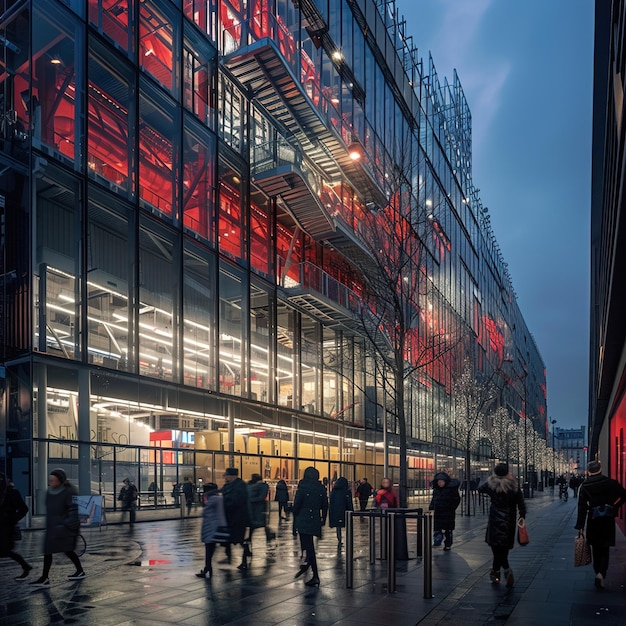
x: 146, y: 575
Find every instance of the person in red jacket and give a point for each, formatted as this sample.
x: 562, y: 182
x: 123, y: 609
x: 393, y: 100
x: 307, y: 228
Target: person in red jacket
x: 385, y: 498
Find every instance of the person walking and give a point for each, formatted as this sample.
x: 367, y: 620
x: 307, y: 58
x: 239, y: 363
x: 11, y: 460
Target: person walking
x: 235, y: 497
x: 310, y: 508
x: 595, y: 494
x: 444, y: 503
x: 282, y: 497
x: 213, y: 526
x: 12, y: 510
x: 62, y: 526
x: 506, y: 500
x: 128, y: 497
x: 257, y: 506
x: 385, y: 498
x: 340, y: 502
x: 187, y: 490
x: 363, y: 492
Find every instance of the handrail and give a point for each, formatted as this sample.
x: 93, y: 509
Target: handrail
x: 388, y: 540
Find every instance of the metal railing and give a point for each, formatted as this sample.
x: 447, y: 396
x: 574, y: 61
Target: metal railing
x: 388, y: 540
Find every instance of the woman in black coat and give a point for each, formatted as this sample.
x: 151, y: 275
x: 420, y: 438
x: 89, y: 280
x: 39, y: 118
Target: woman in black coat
x: 340, y: 502
x: 12, y: 510
x: 310, y: 507
x: 62, y: 526
x: 597, y: 491
x: 506, y: 499
x: 282, y: 497
x: 444, y: 503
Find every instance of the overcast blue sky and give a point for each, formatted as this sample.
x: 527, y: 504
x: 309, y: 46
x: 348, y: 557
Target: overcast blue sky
x: 527, y: 72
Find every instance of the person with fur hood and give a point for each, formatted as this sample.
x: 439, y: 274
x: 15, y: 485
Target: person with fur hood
x: 444, y: 503
x: 506, y: 500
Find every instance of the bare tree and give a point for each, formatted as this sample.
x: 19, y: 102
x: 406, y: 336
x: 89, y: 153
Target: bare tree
x: 501, y: 434
x: 473, y: 397
x: 411, y: 329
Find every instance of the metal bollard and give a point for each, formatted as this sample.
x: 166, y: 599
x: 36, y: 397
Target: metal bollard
x: 384, y: 521
x: 372, y: 524
x: 428, y: 555
x: 420, y: 539
x: 391, y: 553
x: 349, y: 550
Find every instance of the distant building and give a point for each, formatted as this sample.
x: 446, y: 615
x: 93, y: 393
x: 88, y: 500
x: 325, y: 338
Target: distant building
x: 572, y: 441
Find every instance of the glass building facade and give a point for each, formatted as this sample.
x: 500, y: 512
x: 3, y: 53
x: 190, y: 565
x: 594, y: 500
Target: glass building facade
x: 181, y: 206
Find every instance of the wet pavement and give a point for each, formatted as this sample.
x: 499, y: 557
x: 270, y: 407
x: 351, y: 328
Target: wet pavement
x: 146, y: 575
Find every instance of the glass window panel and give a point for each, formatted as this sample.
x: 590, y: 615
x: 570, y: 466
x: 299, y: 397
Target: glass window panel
x: 16, y: 105
x: 112, y: 18
x: 198, y: 180
x: 158, y: 278
x: 199, y: 317
x: 109, y: 122
x: 231, y: 320
x: 261, y: 314
x: 285, y: 363
x: 311, y: 364
x: 110, y: 284
x: 199, y: 77
x: 331, y: 362
x: 231, y: 219
x: 58, y: 245
x: 159, y: 32
x: 203, y: 13
x: 56, y: 94
x: 157, y: 138
x: 260, y: 241
x: 230, y: 114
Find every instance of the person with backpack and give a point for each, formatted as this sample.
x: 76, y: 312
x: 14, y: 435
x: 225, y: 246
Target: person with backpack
x: 128, y: 498
x: 599, y: 498
x: 340, y: 502
x: 12, y: 510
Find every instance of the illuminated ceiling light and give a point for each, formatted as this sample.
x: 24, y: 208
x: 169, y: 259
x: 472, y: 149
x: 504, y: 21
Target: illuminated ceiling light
x: 355, y: 152
x: 337, y: 56
x: 55, y: 61
x: 236, y: 179
x: 429, y: 202
x: 148, y: 52
x: 335, y: 100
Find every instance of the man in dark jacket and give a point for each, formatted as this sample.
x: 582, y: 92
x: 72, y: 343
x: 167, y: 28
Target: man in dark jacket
x: 128, y: 497
x: 235, y: 496
x: 594, y: 495
x: 363, y: 492
x: 444, y: 503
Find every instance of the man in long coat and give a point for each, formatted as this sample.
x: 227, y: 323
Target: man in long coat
x: 235, y: 496
x: 594, y: 495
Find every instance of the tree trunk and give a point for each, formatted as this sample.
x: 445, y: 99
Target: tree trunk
x: 468, y: 469
x: 399, y: 406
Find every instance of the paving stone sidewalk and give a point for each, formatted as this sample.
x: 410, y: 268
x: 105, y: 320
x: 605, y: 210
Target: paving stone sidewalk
x: 146, y: 576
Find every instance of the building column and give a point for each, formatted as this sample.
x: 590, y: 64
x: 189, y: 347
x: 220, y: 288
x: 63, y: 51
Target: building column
x: 84, y: 432
x: 41, y: 477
